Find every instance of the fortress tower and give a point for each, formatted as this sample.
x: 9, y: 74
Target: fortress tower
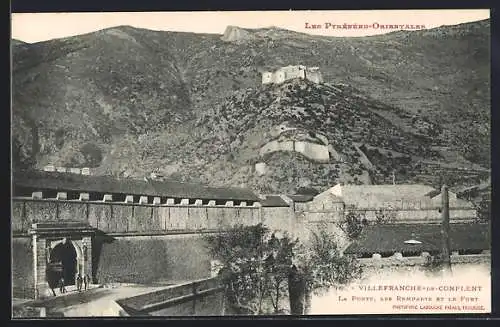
x: 289, y: 72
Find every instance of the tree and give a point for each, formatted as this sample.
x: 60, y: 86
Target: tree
x: 385, y: 216
x: 255, y: 267
x: 92, y: 154
x: 307, y: 191
x: 483, y: 210
x: 262, y: 269
x: 20, y: 160
x: 352, y: 224
x: 319, y: 265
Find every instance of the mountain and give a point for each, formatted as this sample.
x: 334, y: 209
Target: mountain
x: 15, y: 42
x: 129, y: 101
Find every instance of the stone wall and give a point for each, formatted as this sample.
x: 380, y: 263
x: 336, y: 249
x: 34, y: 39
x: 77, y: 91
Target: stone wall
x: 419, y: 215
x: 326, y: 206
x: 395, y: 216
x: 22, y: 268
x: 195, y: 298
x: 209, y: 305
x: 116, y: 217
x: 72, y: 170
x: 331, y: 216
x: 148, y: 259
x: 289, y: 72
x: 314, y: 76
x: 313, y: 151
x: 311, y: 227
x: 279, y: 218
x: 267, y: 78
x: 134, y: 243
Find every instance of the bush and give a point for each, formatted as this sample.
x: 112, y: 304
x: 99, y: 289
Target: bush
x: 352, y: 224
x: 92, y: 154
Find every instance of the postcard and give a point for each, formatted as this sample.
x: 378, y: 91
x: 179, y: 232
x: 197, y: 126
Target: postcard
x: 256, y: 163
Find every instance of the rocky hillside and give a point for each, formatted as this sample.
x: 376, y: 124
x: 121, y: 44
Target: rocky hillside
x: 129, y: 101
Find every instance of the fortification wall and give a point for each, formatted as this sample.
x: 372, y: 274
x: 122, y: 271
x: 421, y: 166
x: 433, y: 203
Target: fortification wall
x: 119, y: 217
x: 330, y: 216
x: 267, y: 78
x: 419, y: 215
x: 313, y: 151
x: 279, y: 218
x: 276, y: 131
x: 314, y: 76
x: 289, y: 72
x: 325, y: 201
x: 310, y: 227
x: 150, y: 259
x: 22, y: 268
x: 275, y: 145
x: 72, y: 170
x: 326, y: 206
x: 395, y: 216
x: 316, y: 152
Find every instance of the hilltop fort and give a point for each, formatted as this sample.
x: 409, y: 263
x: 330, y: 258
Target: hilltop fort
x: 283, y: 74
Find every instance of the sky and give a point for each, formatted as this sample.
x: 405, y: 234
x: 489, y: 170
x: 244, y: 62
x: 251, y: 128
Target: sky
x: 36, y: 27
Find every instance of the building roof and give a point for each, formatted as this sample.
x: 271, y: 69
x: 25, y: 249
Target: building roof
x: 433, y: 193
x: 301, y: 197
x: 485, y: 187
x: 328, y: 196
x: 40, y: 180
x: 274, y: 201
x: 391, y: 238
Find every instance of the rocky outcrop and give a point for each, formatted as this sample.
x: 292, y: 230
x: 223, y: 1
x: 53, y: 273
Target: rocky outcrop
x: 236, y: 34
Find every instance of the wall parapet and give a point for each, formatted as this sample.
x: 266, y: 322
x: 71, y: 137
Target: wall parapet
x: 121, y: 217
x: 310, y: 150
x: 70, y: 170
x: 109, y: 200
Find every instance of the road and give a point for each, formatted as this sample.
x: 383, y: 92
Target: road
x: 97, y: 302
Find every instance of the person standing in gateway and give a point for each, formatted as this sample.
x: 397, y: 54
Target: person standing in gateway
x: 62, y: 287
x: 79, y: 282
x: 86, y: 280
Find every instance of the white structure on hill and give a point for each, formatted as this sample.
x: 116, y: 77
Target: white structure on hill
x: 289, y: 72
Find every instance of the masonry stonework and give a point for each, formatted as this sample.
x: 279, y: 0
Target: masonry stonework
x: 142, y: 242
x: 283, y: 74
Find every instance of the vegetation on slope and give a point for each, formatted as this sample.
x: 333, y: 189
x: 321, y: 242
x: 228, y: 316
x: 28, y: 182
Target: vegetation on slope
x: 129, y: 101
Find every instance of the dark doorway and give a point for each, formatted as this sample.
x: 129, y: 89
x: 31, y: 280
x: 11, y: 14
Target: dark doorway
x: 65, y: 253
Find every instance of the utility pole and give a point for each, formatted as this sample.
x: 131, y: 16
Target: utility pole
x: 445, y: 231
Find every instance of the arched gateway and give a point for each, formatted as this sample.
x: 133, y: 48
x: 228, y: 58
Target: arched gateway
x: 62, y: 250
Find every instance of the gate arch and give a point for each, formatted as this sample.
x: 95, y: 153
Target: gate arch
x: 69, y: 253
